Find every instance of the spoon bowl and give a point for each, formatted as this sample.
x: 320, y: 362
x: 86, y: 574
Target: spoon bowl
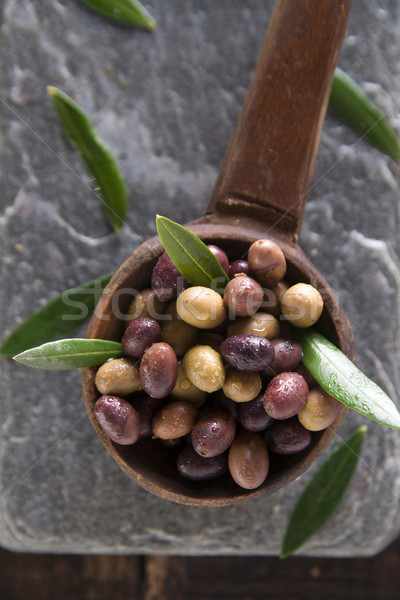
x: 260, y: 193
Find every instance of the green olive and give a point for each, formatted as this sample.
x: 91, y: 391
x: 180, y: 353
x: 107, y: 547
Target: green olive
x: 176, y: 332
x: 145, y: 304
x: 241, y: 386
x: 302, y: 305
x: 118, y: 376
x: 201, y: 307
x: 260, y: 323
x: 185, y: 390
x: 204, y: 368
x: 320, y: 410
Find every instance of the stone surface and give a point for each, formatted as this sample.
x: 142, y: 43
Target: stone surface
x: 166, y: 103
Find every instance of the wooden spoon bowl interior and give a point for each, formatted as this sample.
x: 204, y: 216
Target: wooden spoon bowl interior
x: 148, y: 462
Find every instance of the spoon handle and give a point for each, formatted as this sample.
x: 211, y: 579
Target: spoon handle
x: 269, y: 163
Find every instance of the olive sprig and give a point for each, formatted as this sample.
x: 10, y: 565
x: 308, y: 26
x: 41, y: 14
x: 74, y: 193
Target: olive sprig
x: 324, y: 493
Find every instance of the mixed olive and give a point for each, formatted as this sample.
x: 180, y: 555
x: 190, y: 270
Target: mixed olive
x: 217, y: 378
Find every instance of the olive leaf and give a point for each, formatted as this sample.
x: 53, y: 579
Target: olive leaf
x: 351, y: 105
x: 97, y: 157
x: 190, y: 255
x: 126, y: 12
x: 343, y: 380
x: 58, y: 318
x: 323, y: 494
x: 74, y: 353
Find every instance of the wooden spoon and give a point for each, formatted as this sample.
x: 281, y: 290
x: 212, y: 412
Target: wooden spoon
x: 260, y: 192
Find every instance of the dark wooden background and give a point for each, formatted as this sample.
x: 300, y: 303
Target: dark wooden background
x: 88, y: 577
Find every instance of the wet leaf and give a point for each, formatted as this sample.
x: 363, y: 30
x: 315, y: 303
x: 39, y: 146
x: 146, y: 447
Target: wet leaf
x: 190, y: 255
x: 74, y: 353
x: 341, y: 379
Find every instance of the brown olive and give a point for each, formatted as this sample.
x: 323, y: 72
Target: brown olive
x: 272, y: 298
x: 267, y: 262
x: 174, y: 420
x: 118, y: 376
x: 243, y: 296
x: 204, y: 368
x: 240, y: 386
x: 185, y: 390
x: 248, y: 460
x: 213, y: 433
x: 145, y: 304
x: 118, y: 419
x: 285, y: 395
x: 159, y: 370
x: 198, y: 468
x: 320, y: 411
x: 201, y: 307
x: 139, y: 335
x: 261, y: 323
x: 302, y: 305
x: 176, y: 332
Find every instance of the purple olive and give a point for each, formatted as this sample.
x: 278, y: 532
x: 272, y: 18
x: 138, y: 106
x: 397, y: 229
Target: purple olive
x: 247, y: 352
x: 118, y: 419
x: 221, y: 256
x: 198, y: 468
x: 238, y: 266
x: 159, y: 370
x: 288, y: 355
x: 147, y: 407
x: 139, y: 335
x: 166, y: 278
x: 287, y: 437
x: 213, y: 434
x: 285, y: 395
x: 252, y: 416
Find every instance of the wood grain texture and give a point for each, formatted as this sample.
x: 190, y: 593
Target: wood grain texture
x: 66, y: 577
x: 270, y: 160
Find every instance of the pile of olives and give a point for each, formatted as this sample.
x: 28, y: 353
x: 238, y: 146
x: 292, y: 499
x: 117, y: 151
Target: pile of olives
x: 217, y: 378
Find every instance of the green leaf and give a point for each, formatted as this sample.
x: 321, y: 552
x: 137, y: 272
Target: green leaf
x: 70, y: 354
x: 190, y: 255
x: 126, y: 12
x: 97, y: 157
x: 324, y: 493
x: 341, y: 379
x: 350, y: 103
x: 58, y: 318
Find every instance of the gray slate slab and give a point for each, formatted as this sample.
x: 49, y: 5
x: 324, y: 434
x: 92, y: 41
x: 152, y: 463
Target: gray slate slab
x: 166, y: 103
